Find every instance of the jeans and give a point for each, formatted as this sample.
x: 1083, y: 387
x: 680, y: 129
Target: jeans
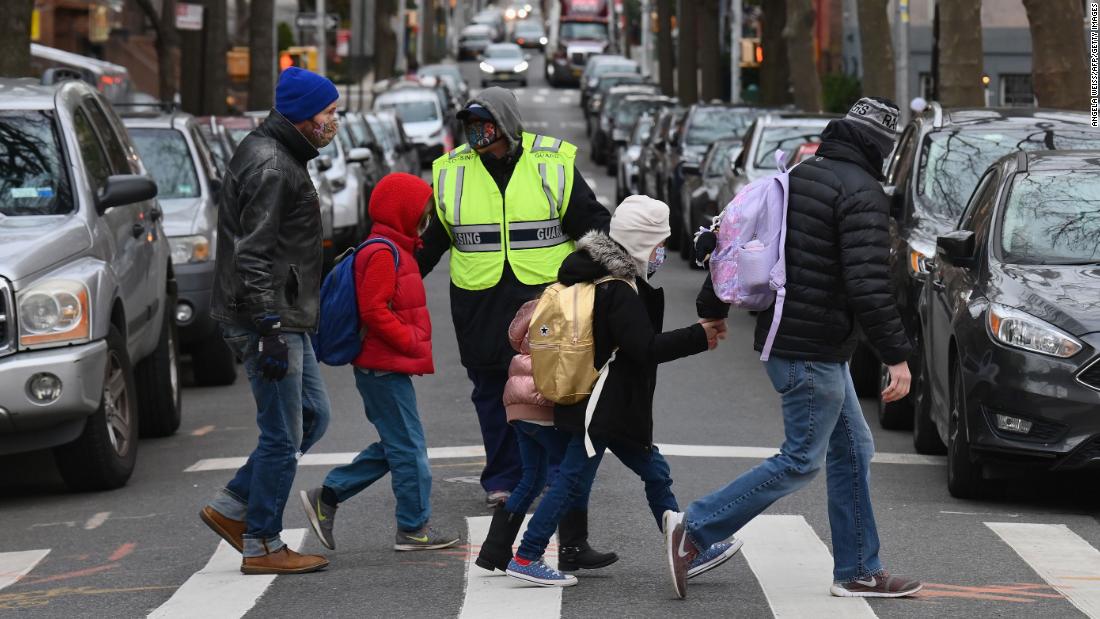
x: 573, y: 484
x: 390, y: 403
x: 823, y: 423
x: 502, y: 463
x: 541, y: 449
x: 292, y: 415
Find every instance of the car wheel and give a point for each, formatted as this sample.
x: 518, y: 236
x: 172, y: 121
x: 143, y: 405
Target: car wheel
x: 213, y: 363
x: 103, y: 456
x: 158, y: 378
x: 964, y: 470
x: 926, y: 436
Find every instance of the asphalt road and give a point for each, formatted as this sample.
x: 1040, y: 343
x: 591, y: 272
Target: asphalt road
x: 128, y: 552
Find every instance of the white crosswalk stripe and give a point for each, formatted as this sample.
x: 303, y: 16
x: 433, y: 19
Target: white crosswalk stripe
x: 1061, y: 557
x: 795, y: 569
x: 488, y: 593
x: 219, y: 589
x: 15, y: 565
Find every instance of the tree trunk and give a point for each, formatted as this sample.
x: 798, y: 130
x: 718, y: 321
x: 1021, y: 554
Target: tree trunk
x: 687, y: 66
x: 1058, y: 56
x: 261, y: 63
x: 776, y: 66
x: 428, y: 24
x: 960, y: 51
x: 877, y: 49
x: 710, y: 50
x: 664, y: 46
x: 385, y: 39
x: 15, y: 45
x: 243, y: 11
x: 164, y: 24
x: 798, y: 33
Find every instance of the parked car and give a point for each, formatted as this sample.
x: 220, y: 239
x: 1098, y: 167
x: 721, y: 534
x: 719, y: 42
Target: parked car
x: 600, y: 133
x: 451, y: 74
x: 217, y: 142
x: 700, y: 191
x: 651, y: 178
x: 935, y: 167
x: 399, y: 151
x: 625, y: 117
x: 56, y: 65
x: 326, y: 201
x: 88, y: 355
x: 473, y: 40
x: 1011, y: 320
x: 188, y: 184
x: 494, y: 19
x: 358, y: 134
x: 626, y: 180
x: 504, y: 62
x: 800, y: 154
x: 530, y: 34
x: 702, y: 125
x: 421, y: 115
x: 350, y: 216
x: 607, y: 81
x: 600, y: 64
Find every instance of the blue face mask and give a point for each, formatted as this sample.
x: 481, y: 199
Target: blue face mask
x: 656, y: 262
x: 481, y: 134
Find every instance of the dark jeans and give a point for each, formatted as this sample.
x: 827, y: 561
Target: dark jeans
x: 502, y: 463
x: 390, y: 403
x: 574, y: 480
x: 541, y: 449
x: 292, y: 415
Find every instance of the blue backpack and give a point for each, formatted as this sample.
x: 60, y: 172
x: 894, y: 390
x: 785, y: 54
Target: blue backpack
x: 339, y: 339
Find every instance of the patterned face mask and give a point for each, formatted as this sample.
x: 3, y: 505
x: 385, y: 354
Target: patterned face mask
x: 657, y: 261
x: 481, y: 134
x: 324, y: 133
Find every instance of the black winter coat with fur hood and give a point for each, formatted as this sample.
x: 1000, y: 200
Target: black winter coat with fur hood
x: 632, y: 323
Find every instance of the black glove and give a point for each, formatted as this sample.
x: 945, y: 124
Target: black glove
x: 274, y: 356
x: 705, y: 242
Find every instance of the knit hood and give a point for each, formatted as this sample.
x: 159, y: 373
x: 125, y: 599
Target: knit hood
x: 504, y: 107
x: 597, y: 256
x: 397, y: 203
x: 639, y: 225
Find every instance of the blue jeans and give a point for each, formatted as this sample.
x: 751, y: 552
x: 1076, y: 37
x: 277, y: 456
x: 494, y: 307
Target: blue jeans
x: 502, y: 464
x: 573, y: 484
x: 292, y: 415
x: 823, y: 425
x: 390, y: 403
x: 540, y: 450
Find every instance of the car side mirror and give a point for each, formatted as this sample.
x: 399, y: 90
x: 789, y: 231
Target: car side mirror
x: 324, y: 163
x: 957, y: 248
x: 359, y: 155
x: 123, y: 189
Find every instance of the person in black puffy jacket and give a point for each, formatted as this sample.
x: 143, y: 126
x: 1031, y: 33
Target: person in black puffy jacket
x: 837, y: 259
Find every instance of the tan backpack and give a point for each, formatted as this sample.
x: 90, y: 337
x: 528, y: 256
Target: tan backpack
x: 563, y: 348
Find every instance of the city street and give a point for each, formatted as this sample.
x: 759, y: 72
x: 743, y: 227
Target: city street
x: 142, y: 550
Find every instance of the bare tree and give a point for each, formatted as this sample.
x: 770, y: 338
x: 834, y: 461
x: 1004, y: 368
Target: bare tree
x: 216, y: 44
x: 15, y: 45
x: 261, y: 63
x: 687, y: 67
x: 709, y: 48
x: 385, y: 39
x: 805, y: 80
x: 775, y: 67
x: 1058, y: 56
x: 428, y: 23
x: 664, y: 46
x: 164, y: 25
x: 960, y: 53
x: 876, y: 47
x: 241, y: 9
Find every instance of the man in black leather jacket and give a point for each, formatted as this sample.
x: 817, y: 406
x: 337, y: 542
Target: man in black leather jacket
x: 266, y: 295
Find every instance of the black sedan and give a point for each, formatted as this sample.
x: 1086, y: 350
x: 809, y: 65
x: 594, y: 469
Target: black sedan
x: 1011, y: 320
x: 700, y: 190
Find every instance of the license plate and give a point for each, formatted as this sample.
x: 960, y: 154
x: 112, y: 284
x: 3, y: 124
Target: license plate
x: 504, y: 75
x: 577, y: 72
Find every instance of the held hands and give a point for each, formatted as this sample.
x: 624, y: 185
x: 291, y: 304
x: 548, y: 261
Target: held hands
x: 899, y: 382
x: 715, y: 330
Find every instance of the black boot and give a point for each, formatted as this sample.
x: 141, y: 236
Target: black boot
x: 496, y: 551
x: 574, y: 553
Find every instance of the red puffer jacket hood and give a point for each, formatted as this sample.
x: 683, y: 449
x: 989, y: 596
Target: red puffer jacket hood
x: 398, y: 202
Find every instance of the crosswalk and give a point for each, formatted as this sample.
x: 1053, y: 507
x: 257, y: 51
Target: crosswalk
x: 789, y: 560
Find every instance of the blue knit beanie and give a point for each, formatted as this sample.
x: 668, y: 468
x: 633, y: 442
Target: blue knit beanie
x: 301, y: 94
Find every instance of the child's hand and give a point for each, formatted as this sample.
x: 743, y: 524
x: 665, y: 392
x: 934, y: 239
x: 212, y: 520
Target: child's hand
x: 715, y: 330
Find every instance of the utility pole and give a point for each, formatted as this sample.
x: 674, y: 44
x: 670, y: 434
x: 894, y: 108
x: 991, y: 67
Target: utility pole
x: 735, y: 50
x: 420, y: 35
x: 647, y: 36
x: 322, y: 38
x: 901, y: 71
x: 402, y: 34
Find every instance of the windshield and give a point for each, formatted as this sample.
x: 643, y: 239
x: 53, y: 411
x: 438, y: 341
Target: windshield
x: 608, y: 83
x: 952, y: 161
x: 358, y: 131
x: 528, y: 28
x: 710, y: 124
x: 627, y: 112
x: 642, y: 131
x: 1053, y: 218
x: 719, y: 160
x: 504, y: 51
x: 411, y: 111
x: 33, y: 179
x: 379, y: 129
x: 583, y: 30
x: 167, y: 157
x: 786, y: 139
x: 610, y: 67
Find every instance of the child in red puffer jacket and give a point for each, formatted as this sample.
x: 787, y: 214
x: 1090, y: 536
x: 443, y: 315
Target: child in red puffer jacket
x: 397, y: 344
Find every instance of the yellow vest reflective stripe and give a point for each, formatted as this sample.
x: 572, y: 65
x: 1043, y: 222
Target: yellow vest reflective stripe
x: 523, y: 226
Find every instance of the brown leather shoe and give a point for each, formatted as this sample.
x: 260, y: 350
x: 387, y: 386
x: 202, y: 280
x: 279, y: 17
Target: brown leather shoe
x: 228, y: 529
x: 283, y: 561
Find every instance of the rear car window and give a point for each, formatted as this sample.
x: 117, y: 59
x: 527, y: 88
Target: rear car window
x: 168, y: 158
x: 1053, y: 218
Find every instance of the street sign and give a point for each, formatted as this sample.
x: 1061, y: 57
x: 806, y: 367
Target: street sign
x: 188, y: 16
x: 309, y: 20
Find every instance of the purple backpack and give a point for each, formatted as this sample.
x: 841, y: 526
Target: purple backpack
x: 748, y: 267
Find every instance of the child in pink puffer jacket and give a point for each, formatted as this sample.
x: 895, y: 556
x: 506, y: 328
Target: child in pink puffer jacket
x: 521, y: 400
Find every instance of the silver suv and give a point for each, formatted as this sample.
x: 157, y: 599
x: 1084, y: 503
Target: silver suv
x: 87, y: 341
x: 188, y: 183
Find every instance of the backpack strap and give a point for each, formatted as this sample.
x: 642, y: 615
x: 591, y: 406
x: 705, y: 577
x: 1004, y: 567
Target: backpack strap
x: 375, y: 241
x: 597, y: 389
x: 611, y: 278
x: 780, y: 161
x: 784, y: 180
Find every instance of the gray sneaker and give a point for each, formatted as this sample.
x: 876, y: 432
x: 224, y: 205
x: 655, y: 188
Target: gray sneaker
x: 880, y: 585
x: 321, y: 516
x: 426, y: 538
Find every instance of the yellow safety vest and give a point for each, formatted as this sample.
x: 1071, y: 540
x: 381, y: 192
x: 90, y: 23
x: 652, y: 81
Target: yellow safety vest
x: 523, y: 226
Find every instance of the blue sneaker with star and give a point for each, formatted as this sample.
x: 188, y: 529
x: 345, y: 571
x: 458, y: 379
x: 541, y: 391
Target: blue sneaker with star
x: 714, y: 556
x: 539, y: 573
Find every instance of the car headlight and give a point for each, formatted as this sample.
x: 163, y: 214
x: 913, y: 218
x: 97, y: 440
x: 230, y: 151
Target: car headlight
x: 189, y: 249
x: 486, y: 67
x: 54, y: 312
x: 920, y: 259
x: 1022, y: 330
x: 520, y: 68
x: 543, y: 40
